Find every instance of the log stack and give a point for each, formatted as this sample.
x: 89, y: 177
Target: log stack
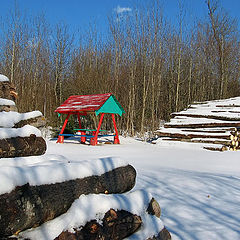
x: 235, y: 139
x: 208, y: 123
x: 28, y: 200
x: 13, y: 141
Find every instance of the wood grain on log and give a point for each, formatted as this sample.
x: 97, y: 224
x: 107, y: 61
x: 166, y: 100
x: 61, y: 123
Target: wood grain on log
x: 37, y: 122
x: 203, y: 125
x: 116, y: 225
x: 163, y: 235
x: 30, y: 206
x: 22, y: 146
x: 154, y: 208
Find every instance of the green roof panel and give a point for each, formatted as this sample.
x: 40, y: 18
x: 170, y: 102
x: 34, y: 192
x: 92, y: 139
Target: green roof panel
x: 111, y: 106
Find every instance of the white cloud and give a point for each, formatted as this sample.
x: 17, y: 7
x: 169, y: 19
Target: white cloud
x: 120, y: 10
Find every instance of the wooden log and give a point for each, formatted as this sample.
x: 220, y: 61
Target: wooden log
x: 228, y: 106
x: 204, y: 131
x: 207, y: 141
x: 223, y: 118
x: 8, y: 108
x: 37, y: 122
x: 116, y: 225
x: 203, y: 125
x: 219, y: 149
x: 190, y: 136
x: 22, y: 146
x: 30, y: 206
x: 163, y: 235
x: 7, y: 90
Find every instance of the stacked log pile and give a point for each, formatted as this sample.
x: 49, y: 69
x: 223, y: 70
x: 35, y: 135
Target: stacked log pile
x: 235, y: 139
x: 27, y: 202
x: 12, y: 144
x: 210, y: 123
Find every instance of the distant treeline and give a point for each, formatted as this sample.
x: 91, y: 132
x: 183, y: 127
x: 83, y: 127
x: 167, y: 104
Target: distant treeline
x: 152, y: 67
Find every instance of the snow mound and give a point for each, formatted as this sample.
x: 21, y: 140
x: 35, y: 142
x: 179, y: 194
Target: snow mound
x: 3, y: 78
x: 24, y: 131
x: 6, y: 102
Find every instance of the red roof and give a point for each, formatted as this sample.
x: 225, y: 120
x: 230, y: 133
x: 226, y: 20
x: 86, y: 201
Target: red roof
x: 83, y: 103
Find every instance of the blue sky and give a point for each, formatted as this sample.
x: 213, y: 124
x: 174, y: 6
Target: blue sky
x: 79, y: 13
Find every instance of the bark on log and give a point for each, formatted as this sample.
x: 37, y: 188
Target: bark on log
x: 116, y: 225
x: 190, y: 136
x: 7, y: 90
x: 8, y: 108
x: 22, y: 146
x: 218, y: 149
x: 205, y: 116
x: 35, y: 122
x: 203, y: 125
x: 207, y: 141
x: 30, y: 206
x: 205, y: 131
x: 230, y: 105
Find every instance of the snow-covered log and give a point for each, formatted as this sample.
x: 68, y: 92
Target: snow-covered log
x: 190, y: 136
x: 115, y: 225
x: 29, y: 206
x: 22, y: 146
x: 203, y: 125
x: 224, y: 118
x: 17, y: 120
x: 39, y: 121
x: 7, y: 105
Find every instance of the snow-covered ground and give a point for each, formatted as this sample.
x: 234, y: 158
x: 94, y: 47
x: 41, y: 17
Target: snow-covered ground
x: 198, y: 190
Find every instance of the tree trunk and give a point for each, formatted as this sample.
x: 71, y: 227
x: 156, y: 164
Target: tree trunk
x: 30, y: 206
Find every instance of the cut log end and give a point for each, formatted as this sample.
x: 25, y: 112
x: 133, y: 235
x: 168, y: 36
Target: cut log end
x: 115, y: 225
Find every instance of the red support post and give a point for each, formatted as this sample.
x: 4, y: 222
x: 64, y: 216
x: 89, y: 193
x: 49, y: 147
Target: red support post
x: 61, y: 138
x: 83, y: 139
x: 116, y: 137
x: 93, y: 140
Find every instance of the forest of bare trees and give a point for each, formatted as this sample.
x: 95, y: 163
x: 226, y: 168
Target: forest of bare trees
x: 153, y: 67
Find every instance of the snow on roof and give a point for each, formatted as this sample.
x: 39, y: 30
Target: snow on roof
x: 6, y: 102
x: 9, y: 119
x: 37, y: 170
x: 89, y: 103
x: 24, y: 131
x: 3, y: 78
x: 87, y: 208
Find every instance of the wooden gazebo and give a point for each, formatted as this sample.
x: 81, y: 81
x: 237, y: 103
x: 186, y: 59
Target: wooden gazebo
x: 81, y: 105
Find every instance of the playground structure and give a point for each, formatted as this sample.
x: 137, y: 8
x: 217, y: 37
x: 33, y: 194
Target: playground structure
x: 82, y: 105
